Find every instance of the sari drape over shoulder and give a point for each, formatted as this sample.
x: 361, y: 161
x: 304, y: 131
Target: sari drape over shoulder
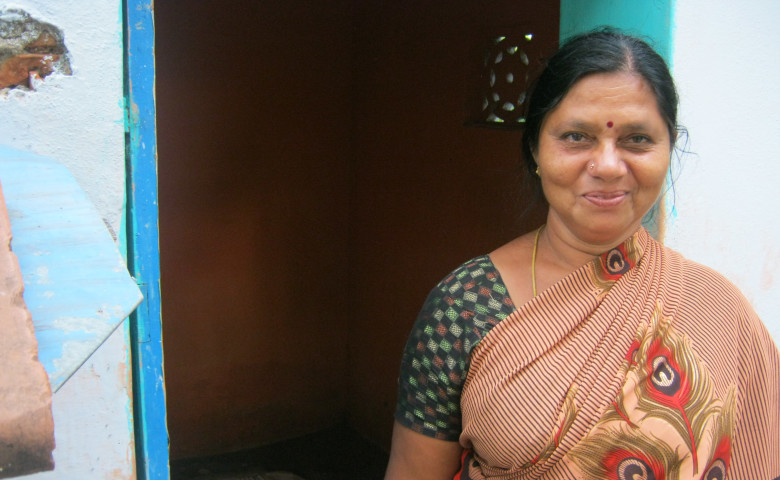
x: 640, y: 364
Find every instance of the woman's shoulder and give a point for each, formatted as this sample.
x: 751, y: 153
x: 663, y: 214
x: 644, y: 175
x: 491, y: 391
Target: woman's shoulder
x: 701, y: 282
x: 454, y: 318
x: 708, y: 295
x: 465, y: 304
x: 476, y: 271
x: 475, y: 285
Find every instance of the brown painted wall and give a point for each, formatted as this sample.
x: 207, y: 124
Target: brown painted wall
x: 315, y: 181
x: 429, y: 192
x: 253, y: 118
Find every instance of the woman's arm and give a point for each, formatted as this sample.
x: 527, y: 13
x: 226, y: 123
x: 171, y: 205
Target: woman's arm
x: 414, y: 456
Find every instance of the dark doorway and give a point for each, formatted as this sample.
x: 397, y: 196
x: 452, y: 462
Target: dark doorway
x: 316, y: 179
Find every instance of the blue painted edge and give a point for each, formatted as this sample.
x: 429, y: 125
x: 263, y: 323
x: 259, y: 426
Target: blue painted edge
x: 151, y: 432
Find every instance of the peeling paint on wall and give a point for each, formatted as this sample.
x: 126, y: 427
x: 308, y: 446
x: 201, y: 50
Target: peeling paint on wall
x: 76, y: 114
x: 30, y: 50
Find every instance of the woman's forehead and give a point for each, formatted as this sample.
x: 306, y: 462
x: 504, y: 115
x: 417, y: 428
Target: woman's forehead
x: 612, y: 94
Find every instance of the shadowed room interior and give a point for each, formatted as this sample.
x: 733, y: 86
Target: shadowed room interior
x: 316, y: 180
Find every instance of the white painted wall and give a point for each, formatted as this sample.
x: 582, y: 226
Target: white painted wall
x: 93, y: 415
x: 727, y: 203
x: 78, y: 120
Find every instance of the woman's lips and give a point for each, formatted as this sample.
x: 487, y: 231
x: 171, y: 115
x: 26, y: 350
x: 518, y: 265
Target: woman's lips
x: 605, y: 199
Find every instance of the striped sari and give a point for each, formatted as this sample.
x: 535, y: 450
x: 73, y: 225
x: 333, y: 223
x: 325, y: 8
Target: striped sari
x: 638, y: 365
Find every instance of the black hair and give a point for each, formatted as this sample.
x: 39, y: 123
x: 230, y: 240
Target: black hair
x: 605, y: 50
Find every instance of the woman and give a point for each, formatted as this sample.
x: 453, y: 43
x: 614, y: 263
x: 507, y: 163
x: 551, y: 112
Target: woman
x: 585, y: 349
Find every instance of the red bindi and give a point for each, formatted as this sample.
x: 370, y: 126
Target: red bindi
x: 610, y: 124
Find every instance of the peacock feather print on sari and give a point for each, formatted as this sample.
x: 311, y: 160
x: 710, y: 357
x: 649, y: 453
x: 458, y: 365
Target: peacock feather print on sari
x: 625, y: 453
x: 718, y: 463
x: 613, y: 264
x: 667, y: 405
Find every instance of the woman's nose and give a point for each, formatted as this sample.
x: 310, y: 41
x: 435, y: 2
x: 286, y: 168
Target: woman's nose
x: 607, y: 163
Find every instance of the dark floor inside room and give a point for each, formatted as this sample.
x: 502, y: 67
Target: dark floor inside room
x: 334, y: 454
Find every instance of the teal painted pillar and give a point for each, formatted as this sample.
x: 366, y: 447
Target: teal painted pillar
x: 650, y: 19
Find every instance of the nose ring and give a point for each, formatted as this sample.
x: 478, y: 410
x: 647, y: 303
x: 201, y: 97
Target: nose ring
x: 592, y: 166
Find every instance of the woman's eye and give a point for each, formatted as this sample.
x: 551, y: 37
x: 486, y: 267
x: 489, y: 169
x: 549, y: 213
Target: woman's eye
x: 574, y: 137
x: 637, y: 139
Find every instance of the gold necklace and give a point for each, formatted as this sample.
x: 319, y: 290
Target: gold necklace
x: 533, y: 259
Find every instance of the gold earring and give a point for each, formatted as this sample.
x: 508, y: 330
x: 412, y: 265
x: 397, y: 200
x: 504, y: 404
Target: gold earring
x: 537, y: 171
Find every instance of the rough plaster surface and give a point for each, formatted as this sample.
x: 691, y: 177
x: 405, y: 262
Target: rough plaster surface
x: 92, y: 412
x: 726, y: 204
x: 78, y: 119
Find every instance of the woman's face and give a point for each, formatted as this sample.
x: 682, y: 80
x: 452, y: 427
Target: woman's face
x: 603, y: 154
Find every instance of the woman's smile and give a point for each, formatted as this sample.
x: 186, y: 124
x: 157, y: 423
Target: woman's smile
x: 606, y: 199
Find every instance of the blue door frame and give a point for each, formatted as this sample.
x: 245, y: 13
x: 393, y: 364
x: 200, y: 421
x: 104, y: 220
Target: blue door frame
x: 143, y: 253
